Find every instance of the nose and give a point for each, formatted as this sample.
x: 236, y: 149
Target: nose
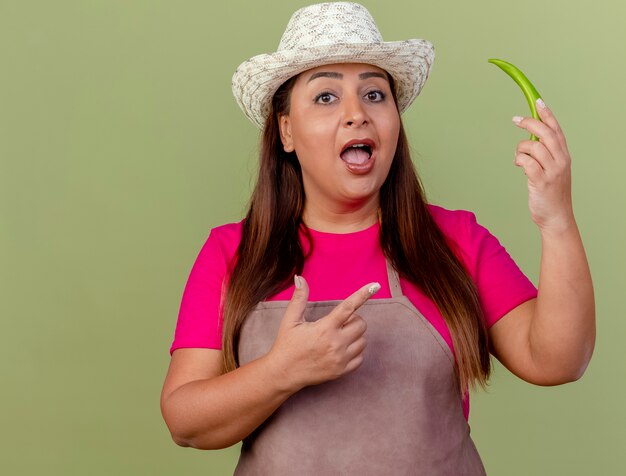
x: 355, y: 114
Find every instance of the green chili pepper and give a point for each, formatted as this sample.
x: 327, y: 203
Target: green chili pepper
x: 522, y: 81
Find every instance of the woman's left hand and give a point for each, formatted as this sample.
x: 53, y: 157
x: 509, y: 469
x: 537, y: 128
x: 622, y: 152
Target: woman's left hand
x: 549, y: 340
x: 547, y: 165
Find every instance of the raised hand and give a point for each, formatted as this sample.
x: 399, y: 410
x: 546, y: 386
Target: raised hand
x: 308, y: 353
x: 547, y: 165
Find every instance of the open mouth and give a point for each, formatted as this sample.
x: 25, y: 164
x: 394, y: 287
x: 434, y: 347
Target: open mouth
x: 357, y: 154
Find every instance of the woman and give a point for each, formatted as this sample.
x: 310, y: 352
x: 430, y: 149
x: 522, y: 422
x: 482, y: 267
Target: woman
x: 314, y: 373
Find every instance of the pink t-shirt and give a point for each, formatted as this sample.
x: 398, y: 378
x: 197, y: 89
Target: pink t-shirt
x: 342, y: 263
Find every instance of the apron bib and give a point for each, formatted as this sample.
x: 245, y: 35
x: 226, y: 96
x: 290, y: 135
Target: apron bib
x: 399, y: 413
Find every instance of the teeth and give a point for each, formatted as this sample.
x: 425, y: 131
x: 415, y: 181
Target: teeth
x: 368, y: 148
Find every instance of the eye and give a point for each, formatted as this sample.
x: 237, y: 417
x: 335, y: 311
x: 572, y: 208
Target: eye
x: 324, y: 98
x: 376, y: 96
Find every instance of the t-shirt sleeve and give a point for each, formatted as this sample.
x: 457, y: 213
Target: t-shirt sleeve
x: 199, y: 318
x: 501, y: 284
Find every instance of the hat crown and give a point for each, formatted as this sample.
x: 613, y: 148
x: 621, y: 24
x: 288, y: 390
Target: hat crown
x: 327, y: 24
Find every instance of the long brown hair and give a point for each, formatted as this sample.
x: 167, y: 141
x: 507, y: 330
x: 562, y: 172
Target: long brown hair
x: 270, y: 252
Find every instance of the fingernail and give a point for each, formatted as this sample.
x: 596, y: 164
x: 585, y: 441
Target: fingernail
x: 374, y: 288
x: 517, y: 119
x: 296, y: 280
x: 541, y: 104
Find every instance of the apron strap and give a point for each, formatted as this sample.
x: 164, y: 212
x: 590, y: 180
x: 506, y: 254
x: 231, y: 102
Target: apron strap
x: 394, y: 280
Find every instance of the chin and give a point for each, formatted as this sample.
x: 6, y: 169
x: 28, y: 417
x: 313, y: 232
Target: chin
x: 358, y: 194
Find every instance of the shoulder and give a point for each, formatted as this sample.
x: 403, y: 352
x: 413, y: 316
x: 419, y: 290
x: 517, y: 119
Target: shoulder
x: 222, y: 242
x: 501, y: 284
x: 468, y: 239
x: 456, y: 225
x: 228, y: 232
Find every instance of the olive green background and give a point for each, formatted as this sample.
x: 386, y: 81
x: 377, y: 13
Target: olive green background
x: 121, y: 146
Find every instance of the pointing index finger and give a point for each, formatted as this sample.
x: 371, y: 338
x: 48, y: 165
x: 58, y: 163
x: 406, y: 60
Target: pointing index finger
x: 342, y: 312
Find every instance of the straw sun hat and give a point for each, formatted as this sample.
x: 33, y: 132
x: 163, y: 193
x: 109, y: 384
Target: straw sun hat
x: 326, y: 33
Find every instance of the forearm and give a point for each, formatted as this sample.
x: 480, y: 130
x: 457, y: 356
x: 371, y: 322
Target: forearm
x: 219, y: 412
x: 562, y: 333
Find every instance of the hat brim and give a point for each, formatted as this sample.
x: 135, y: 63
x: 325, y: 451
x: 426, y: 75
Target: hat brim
x: 256, y: 80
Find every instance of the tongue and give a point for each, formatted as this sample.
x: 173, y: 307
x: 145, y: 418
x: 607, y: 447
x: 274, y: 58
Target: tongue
x: 355, y: 156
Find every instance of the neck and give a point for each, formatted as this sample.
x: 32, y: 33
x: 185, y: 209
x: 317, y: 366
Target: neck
x: 340, y: 218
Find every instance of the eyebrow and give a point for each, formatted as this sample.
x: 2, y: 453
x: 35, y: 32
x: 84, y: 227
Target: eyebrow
x: 329, y: 74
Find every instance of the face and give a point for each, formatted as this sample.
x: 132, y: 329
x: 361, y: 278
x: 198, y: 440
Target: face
x: 332, y: 108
